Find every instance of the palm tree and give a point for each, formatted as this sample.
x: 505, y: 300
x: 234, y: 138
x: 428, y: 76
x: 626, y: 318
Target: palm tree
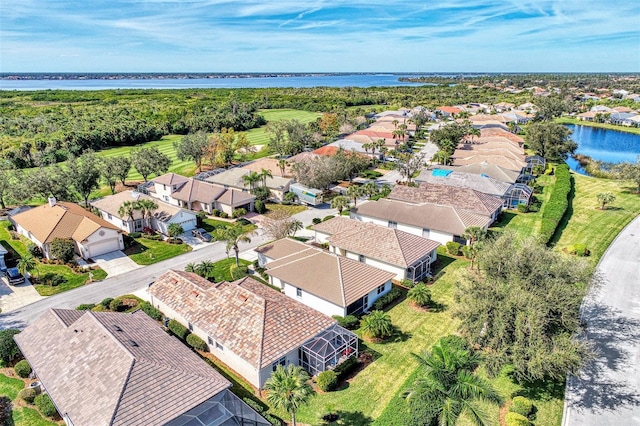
x: 449, y: 388
x: 367, y: 147
x: 251, y: 179
x: 146, y: 208
x: 127, y: 209
x: 355, y: 191
x: 287, y: 389
x: 264, y: 174
x: 377, y: 325
x: 474, y: 234
x: 174, y: 229
x: 294, y: 226
x: 605, y: 198
x: 282, y: 164
x: 233, y: 235
x: 191, y: 267
x: 26, y: 264
x: 205, y: 269
x: 340, y: 202
x: 370, y: 189
x: 420, y: 295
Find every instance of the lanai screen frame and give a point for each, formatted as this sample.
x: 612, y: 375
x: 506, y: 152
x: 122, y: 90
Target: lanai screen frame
x: 328, y: 349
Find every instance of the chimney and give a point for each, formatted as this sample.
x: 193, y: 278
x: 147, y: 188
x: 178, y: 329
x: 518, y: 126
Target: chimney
x: 52, y: 201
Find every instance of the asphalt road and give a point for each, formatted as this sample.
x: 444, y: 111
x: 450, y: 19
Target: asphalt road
x: 118, y: 285
x: 607, y: 391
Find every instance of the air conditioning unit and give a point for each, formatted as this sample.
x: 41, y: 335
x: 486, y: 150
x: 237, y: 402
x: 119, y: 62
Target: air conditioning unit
x: 37, y: 386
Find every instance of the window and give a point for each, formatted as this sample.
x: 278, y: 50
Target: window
x: 108, y: 215
x: 299, y: 292
x: 393, y: 225
x: 380, y: 289
x: 425, y: 232
x: 219, y: 346
x: 282, y: 361
x: 361, y: 258
x: 210, y: 340
x: 190, y: 326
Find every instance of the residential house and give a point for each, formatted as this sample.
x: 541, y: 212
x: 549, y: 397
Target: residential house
x: 436, y: 222
x: 406, y: 255
x: 233, y: 178
x: 196, y: 195
x: 512, y: 194
x: 620, y: 118
x: 587, y: 116
x: 331, y: 284
x: 495, y: 159
x: 490, y: 170
x: 251, y: 327
x: 503, y: 106
x: 462, y: 198
x: 92, y: 236
x: 105, y: 368
x: 160, y: 219
x: 448, y: 111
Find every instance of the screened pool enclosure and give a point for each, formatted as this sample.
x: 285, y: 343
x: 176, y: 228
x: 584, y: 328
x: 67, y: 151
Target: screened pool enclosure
x: 328, y: 349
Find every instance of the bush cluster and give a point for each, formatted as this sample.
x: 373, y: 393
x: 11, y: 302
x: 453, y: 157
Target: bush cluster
x: 580, y: 250
x: 197, y: 343
x: 116, y: 305
x: 453, y: 248
x: 239, y: 212
x: 106, y: 302
x: 383, y: 301
x: 350, y: 322
x: 150, y: 310
x: 262, y: 410
x: 327, y: 380
x: 523, y: 208
x: 557, y: 204
x: 316, y: 220
x: 178, y: 329
x: 22, y: 368
x: 135, y: 234
x: 8, y: 347
x: 238, y: 272
x: 326, y: 218
x: 28, y: 395
x: 34, y: 250
x: 515, y: 419
x: 346, y: 367
x: 45, y: 405
x: 522, y: 406
x: 86, y: 307
x: 259, y: 207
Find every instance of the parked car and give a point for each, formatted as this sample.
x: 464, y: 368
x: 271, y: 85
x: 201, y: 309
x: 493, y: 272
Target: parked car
x: 14, y: 276
x: 3, y: 265
x: 201, y: 234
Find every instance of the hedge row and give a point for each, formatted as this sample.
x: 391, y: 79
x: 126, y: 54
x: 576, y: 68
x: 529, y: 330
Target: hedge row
x: 261, y: 409
x: 557, y: 204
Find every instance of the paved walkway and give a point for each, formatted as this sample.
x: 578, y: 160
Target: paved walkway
x: 607, y: 391
x: 13, y: 297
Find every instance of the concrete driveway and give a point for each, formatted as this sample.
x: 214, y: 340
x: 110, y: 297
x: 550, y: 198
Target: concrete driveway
x: 116, y: 263
x: 17, y: 296
x: 607, y: 391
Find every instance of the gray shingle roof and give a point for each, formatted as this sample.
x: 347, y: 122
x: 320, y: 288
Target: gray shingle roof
x: 103, y: 368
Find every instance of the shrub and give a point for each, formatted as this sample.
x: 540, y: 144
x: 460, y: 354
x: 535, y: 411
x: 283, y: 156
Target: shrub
x: 197, y: 343
x: 579, y: 250
x: 28, y: 395
x: 216, y: 212
x: 557, y: 204
x: 224, y: 215
x: 148, y: 309
x: 408, y: 283
x: 238, y: 272
x: 8, y: 347
x: 86, y: 307
x: 326, y: 218
x: 257, y: 406
x: 453, y: 248
x: 521, y: 405
x: 523, y: 208
x: 34, y: 250
x: 200, y: 217
x: 466, y: 252
x: 346, y: 366
x: 350, y: 322
x: 63, y: 249
x: 135, y: 234
x: 327, y: 380
x: 316, y: 220
x: 6, y: 417
x: 261, y: 193
x: 45, y: 405
x: 259, y: 207
x: 175, y: 241
x: 383, y: 301
x: 178, y: 329
x: 275, y: 421
x: 420, y: 295
x: 515, y: 419
x: 106, y: 302
x: 52, y: 279
x: 377, y: 325
x: 455, y: 342
x: 239, y: 212
x: 22, y: 368
x: 116, y: 305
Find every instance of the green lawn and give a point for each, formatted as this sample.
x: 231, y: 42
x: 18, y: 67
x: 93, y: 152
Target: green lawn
x: 222, y: 272
x: 291, y: 209
x: 371, y: 390
x: 72, y: 279
x: 21, y: 416
x: 148, y: 252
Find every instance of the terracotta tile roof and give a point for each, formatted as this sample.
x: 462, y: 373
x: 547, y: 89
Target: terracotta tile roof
x: 63, y: 220
x: 444, y: 195
x: 233, y: 178
x: 430, y: 216
x: 477, y: 182
x: 248, y: 318
x: 501, y: 132
x: 303, y: 156
x: 197, y: 190
x: 282, y: 248
x: 509, y: 151
x: 329, y: 151
x: 111, y: 204
x: 449, y: 109
x: 491, y: 170
x: 171, y: 179
x: 103, y: 368
x: 334, y: 278
x: 233, y: 197
x: 497, y: 160
x: 270, y: 164
x: 377, y: 242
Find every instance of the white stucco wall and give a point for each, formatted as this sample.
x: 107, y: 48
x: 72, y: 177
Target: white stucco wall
x: 439, y: 236
x: 321, y: 237
x: 315, y: 302
x: 163, y: 192
x: 373, y: 295
x: 124, y: 225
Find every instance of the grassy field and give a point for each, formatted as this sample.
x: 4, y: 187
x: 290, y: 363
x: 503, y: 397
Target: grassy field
x: 567, y: 120
x: 148, y: 252
x: 71, y: 278
x: 21, y: 416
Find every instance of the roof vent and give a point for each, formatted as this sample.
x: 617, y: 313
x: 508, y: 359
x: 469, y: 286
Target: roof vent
x: 133, y: 343
x: 195, y: 293
x: 243, y: 297
x: 117, y: 327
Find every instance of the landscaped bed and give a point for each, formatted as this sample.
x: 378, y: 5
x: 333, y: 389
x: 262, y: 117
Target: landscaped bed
x: 22, y: 414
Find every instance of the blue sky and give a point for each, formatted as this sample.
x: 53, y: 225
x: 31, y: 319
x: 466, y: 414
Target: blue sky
x: 319, y: 36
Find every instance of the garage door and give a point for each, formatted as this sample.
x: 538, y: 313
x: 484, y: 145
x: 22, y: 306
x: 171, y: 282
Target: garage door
x: 102, y: 247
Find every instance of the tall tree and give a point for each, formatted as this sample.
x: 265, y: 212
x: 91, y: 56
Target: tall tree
x: 630, y: 171
x: 355, y: 192
x: 410, y: 164
x: 122, y: 165
x: 192, y: 147
x: 264, y: 174
x: 340, y: 203
x: 550, y: 140
x: 84, y: 174
x: 251, y: 179
x: 523, y: 308
x: 233, y: 235
x: 149, y: 161
x: 47, y: 182
x: 549, y: 108
x: 448, y: 388
x: 127, y: 209
x: 108, y: 168
x: 26, y: 264
x: 287, y: 389
x: 282, y: 165
x: 146, y: 207
x: 5, y: 186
